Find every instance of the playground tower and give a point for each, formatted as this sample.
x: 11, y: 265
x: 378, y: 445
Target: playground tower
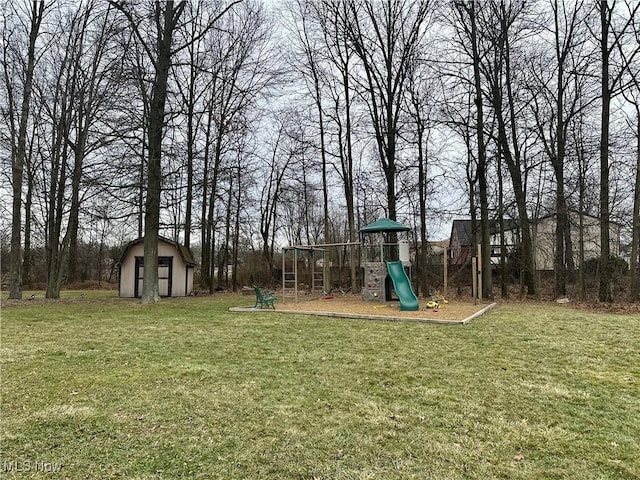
x: 380, y: 247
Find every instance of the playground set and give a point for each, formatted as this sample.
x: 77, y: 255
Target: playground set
x: 385, y: 266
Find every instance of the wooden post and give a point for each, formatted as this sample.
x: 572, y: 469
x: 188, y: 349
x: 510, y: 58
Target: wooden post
x: 445, y: 267
x: 474, y: 279
x: 295, y: 273
x: 479, y: 294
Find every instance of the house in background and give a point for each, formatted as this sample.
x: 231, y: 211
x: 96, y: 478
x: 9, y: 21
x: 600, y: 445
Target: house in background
x: 462, y: 245
x: 543, y: 234
x: 175, y: 269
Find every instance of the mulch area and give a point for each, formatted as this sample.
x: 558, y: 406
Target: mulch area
x: 456, y: 309
x: 353, y: 304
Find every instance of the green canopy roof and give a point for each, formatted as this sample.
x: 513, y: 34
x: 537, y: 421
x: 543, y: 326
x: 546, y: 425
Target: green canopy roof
x: 384, y: 225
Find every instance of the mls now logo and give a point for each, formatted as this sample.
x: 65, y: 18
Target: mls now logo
x: 30, y: 466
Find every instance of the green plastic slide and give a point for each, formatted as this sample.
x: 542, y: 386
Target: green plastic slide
x: 402, y: 286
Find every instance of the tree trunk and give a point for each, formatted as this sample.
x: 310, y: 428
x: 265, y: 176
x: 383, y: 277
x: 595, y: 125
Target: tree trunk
x: 27, y: 258
x: 223, y: 260
x: 422, y: 185
x: 150, y: 291
x: 605, y: 269
x: 326, y: 264
x: 268, y: 204
x: 582, y: 287
x: 205, y: 236
x: 481, y: 173
x: 190, y: 100
x: 634, y: 283
x: 28, y: 204
x: 326, y: 271
x: 211, y: 223
x: 141, y: 182
x: 17, y: 167
x: 236, y: 228
x: 557, y: 161
x: 61, y: 116
x: 349, y: 194
x: 74, y: 212
x: 526, y: 254
x: 513, y: 158
x: 504, y: 285
x: 190, y: 156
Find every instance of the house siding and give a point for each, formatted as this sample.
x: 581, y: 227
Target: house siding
x: 544, y: 234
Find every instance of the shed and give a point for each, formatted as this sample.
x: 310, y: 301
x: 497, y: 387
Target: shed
x: 175, y: 269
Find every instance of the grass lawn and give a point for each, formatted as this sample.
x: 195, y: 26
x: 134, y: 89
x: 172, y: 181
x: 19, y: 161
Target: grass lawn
x: 110, y: 388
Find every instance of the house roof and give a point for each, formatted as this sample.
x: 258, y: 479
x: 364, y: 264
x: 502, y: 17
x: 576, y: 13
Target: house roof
x: 465, y: 230
x: 440, y: 243
x: 185, y: 252
x: 572, y: 212
x: 384, y: 225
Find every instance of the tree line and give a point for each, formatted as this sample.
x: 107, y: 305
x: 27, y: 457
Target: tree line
x: 237, y: 127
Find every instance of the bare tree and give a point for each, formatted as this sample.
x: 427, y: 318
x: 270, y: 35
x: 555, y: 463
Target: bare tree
x: 555, y: 104
x: 612, y: 35
x: 276, y: 165
x: 633, y: 97
x: 19, y: 141
x: 586, y: 151
x: 96, y: 94
x: 420, y: 108
x: 333, y: 20
x: 60, y: 113
x: 165, y: 19
x: 68, y: 113
x: 634, y: 284
x: 468, y: 24
x: 498, y: 26
x: 191, y: 90
x: 312, y: 71
x: 385, y: 37
x: 160, y: 53
x: 240, y: 72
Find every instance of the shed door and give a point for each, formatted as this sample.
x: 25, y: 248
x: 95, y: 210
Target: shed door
x: 165, y: 276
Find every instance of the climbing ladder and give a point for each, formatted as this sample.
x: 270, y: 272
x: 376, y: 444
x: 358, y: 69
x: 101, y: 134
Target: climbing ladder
x: 292, y: 274
x: 289, y: 275
x: 317, y: 274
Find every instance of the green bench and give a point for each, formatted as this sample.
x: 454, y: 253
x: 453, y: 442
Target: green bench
x: 264, y: 299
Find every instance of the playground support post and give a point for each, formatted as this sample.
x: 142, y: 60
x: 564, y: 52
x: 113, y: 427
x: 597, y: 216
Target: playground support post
x: 295, y: 272
x: 290, y: 279
x: 476, y: 274
x: 474, y: 279
x: 445, y: 272
x: 479, y: 293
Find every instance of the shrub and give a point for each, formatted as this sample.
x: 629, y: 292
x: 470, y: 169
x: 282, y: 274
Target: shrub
x: 617, y: 265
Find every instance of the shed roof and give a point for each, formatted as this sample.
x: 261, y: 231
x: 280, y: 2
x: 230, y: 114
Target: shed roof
x: 384, y: 225
x: 185, y: 252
